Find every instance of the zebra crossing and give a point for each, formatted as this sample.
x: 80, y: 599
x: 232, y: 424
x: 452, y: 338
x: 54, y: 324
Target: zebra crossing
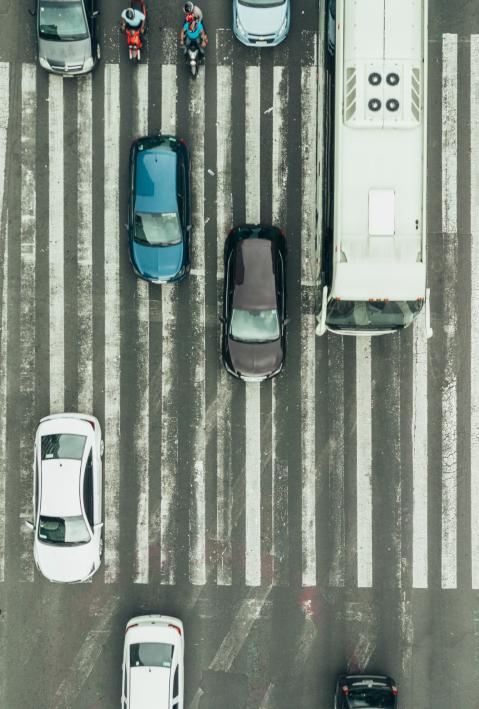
x: 209, y: 481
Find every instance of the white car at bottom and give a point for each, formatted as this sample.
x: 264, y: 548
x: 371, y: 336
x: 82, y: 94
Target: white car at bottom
x: 67, y: 497
x: 153, y: 663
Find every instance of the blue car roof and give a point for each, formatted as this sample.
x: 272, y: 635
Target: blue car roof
x: 155, y: 186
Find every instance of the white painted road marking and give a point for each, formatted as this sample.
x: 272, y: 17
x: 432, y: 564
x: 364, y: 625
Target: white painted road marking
x: 27, y: 306
x: 3, y: 394
x: 56, y: 249
x: 224, y: 222
x: 142, y: 422
x: 449, y: 389
x: 197, y: 523
x: 112, y: 321
x: 363, y: 462
x: 308, y: 338
x: 279, y: 466
x: 252, y: 403
x: 169, y: 422
x: 85, y: 247
x: 419, y: 457
x: 474, y: 123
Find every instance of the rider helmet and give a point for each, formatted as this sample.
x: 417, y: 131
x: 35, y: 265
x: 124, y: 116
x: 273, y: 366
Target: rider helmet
x: 188, y: 7
x: 130, y: 13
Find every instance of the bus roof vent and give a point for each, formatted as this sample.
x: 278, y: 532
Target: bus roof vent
x: 350, y: 92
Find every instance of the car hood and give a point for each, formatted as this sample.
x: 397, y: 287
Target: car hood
x: 157, y: 262
x: 255, y: 359
x: 64, y: 54
x: 67, y: 564
x: 262, y: 20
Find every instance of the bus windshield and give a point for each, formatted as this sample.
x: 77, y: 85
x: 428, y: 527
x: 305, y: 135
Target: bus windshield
x: 372, y: 315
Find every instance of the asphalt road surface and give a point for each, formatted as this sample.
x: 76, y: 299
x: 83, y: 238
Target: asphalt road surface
x: 326, y: 521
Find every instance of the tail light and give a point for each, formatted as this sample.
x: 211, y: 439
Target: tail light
x: 345, y: 689
x: 175, y: 627
x: 182, y: 141
x: 133, y: 625
x: 394, y: 690
x: 283, y: 233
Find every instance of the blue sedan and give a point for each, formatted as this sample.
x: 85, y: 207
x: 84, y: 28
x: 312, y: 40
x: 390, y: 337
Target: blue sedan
x: 159, y: 210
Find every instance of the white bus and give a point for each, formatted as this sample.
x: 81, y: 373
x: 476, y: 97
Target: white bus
x: 373, y: 277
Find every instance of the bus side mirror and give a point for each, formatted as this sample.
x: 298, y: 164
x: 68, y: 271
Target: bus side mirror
x: 428, y: 314
x: 321, y: 327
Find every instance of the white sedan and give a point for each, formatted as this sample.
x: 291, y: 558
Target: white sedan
x: 67, y: 497
x: 153, y: 663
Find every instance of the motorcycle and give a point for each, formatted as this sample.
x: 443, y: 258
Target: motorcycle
x: 194, y: 57
x: 133, y: 35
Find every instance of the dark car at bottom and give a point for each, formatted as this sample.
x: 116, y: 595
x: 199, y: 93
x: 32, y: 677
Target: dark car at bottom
x: 159, y: 208
x: 366, y: 692
x: 254, y: 305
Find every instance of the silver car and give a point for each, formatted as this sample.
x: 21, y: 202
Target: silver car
x: 261, y: 23
x: 67, y: 497
x: 67, y: 43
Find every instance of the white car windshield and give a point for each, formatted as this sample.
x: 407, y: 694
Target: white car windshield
x: 157, y: 229
x: 254, y: 325
x: 151, y: 654
x: 67, y: 530
x: 62, y: 21
x: 63, y: 446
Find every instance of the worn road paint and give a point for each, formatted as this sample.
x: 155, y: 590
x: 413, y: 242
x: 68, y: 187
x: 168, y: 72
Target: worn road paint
x: 364, y: 463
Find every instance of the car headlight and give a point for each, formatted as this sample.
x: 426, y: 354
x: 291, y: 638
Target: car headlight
x: 239, y: 26
x: 88, y: 64
x: 283, y: 26
x: 43, y: 62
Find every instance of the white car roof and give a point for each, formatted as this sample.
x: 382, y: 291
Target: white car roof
x: 60, y: 491
x: 149, y: 686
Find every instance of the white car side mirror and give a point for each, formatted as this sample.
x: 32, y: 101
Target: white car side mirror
x: 99, y: 526
x: 29, y: 525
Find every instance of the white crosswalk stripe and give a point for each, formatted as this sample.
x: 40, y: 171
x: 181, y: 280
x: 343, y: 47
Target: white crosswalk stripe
x: 474, y: 122
x: 252, y: 485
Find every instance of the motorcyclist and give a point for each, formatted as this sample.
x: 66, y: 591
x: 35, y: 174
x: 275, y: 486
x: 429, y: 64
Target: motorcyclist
x: 190, y: 9
x: 133, y: 19
x: 193, y: 31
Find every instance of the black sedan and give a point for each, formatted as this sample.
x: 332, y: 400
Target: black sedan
x: 365, y: 691
x: 67, y: 42
x: 254, y: 315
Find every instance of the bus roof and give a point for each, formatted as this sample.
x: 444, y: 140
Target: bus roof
x: 380, y: 170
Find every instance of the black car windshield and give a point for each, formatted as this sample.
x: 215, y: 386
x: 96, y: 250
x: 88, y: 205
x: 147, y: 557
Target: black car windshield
x: 151, y: 654
x: 63, y: 445
x: 63, y: 530
x: 371, y: 698
x: 372, y: 315
x: 254, y: 325
x: 62, y: 20
x: 157, y: 229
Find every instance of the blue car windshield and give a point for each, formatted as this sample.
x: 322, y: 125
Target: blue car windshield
x: 62, y: 21
x: 157, y: 229
x: 254, y: 325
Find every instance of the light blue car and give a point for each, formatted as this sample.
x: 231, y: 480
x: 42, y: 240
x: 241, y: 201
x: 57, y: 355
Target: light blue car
x: 261, y: 23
